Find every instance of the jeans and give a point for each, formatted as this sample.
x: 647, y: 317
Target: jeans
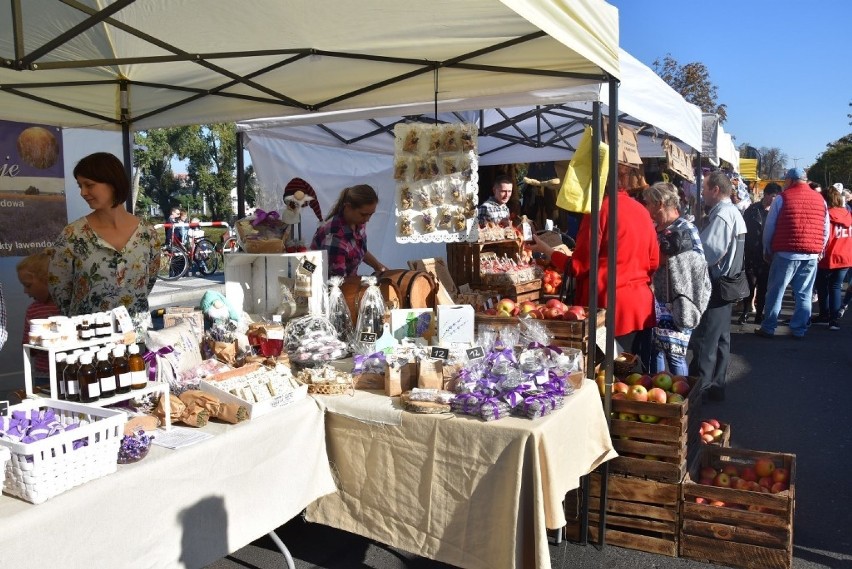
x: 800, y: 275
x: 828, y: 283
x: 677, y: 363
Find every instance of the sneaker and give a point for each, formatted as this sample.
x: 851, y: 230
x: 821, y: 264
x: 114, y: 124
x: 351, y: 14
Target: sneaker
x: 742, y: 319
x: 763, y: 333
x: 841, y: 312
x: 833, y: 325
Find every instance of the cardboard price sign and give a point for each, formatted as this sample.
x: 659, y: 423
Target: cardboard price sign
x: 679, y: 162
x: 628, y: 145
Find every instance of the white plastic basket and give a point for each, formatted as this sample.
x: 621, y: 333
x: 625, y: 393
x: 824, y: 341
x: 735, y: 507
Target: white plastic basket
x: 46, y: 468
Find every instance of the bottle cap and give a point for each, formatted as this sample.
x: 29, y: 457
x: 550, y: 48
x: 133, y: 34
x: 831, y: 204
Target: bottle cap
x: 134, y: 348
x: 61, y: 356
x: 103, y: 355
x: 86, y: 359
x: 118, y: 351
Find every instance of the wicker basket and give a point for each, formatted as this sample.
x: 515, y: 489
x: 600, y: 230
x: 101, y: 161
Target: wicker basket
x: 43, y: 469
x: 329, y: 388
x: 626, y: 366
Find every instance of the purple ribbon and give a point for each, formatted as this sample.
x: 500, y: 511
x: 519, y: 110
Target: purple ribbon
x: 151, y: 359
x: 537, y: 345
x: 557, y: 383
x: 507, y: 354
x: 470, y: 403
x: 547, y: 400
x: 515, y: 396
x: 495, y: 406
x: 261, y: 216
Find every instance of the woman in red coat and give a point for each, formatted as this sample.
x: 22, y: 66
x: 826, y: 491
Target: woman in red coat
x: 637, y: 257
x: 835, y: 261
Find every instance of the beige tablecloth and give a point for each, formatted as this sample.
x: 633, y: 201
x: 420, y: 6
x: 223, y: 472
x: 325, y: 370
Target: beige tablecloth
x: 178, y: 508
x: 460, y: 490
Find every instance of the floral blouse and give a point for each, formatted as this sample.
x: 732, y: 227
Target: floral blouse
x: 88, y: 275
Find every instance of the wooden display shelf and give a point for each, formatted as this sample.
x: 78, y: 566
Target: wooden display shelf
x: 753, y: 530
x: 642, y: 514
x: 463, y: 259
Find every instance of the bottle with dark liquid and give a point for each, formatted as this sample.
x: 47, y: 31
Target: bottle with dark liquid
x: 121, y: 369
x: 87, y: 376
x: 86, y: 330
x: 60, y: 374
x: 136, y: 364
x: 69, y: 378
x: 106, y: 376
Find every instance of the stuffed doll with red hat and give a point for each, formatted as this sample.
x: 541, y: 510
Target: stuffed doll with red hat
x: 297, y: 194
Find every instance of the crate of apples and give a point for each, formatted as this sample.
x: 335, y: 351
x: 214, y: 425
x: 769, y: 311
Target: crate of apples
x: 553, y: 309
x: 714, y: 432
x: 551, y: 281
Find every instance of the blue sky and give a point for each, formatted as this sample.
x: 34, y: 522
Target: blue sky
x: 783, y: 68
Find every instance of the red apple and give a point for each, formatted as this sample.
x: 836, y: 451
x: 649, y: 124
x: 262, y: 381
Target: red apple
x: 516, y: 310
x: 680, y: 387
x: 575, y: 313
x: 731, y: 470
x: 706, y: 428
x: 663, y: 381
x: 637, y: 393
x: 618, y: 395
x: 647, y: 382
x: 714, y: 422
x: 656, y: 395
x: 707, y: 438
x: 718, y: 503
x: 778, y: 487
x: 620, y: 387
x: 780, y: 475
x: 764, y: 467
x: 741, y: 484
x: 766, y: 481
x: 674, y: 399
x: 506, y: 305
x: 700, y: 500
x: 556, y: 303
x: 708, y: 472
x: 722, y: 480
x: 633, y: 379
x: 749, y: 474
x: 491, y: 312
x: 706, y: 481
x: 754, y: 487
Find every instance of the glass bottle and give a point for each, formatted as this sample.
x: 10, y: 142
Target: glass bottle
x: 106, y: 376
x: 121, y: 369
x: 87, y: 376
x: 69, y: 377
x: 273, y: 343
x: 59, y: 374
x: 137, y: 368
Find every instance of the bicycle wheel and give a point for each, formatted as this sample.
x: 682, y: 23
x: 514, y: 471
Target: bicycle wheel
x: 174, y: 263
x: 205, y: 257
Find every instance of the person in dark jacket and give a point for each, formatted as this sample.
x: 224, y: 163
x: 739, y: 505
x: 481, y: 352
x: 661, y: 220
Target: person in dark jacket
x: 756, y: 267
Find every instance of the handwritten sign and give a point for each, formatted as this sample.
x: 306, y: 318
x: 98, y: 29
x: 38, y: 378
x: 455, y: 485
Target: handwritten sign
x: 368, y: 337
x: 439, y: 353
x: 4, y: 408
x: 308, y: 266
x: 475, y: 353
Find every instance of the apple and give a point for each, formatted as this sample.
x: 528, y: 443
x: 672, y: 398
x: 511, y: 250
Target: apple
x: 731, y: 470
x: 708, y: 472
x: 718, y: 503
x: 722, y: 480
x: 714, y: 422
x: 620, y: 387
x: 764, y: 467
x: 749, y: 474
x: 627, y: 417
x: 619, y: 396
x: 656, y: 395
x: 700, y: 500
x: 575, y: 313
x: 680, y: 387
x: 556, y: 303
x: 778, y: 487
x: 780, y: 475
x: 717, y: 434
x: 706, y: 481
x: 552, y: 313
x: 516, y: 310
x: 706, y: 428
x: 649, y: 419
x: 766, y: 481
x: 637, y: 393
x: 506, y: 305
x: 491, y: 312
x: 663, y: 381
x: 674, y: 399
x: 754, y: 487
x: 741, y: 484
x: 633, y: 379
x: 527, y: 306
x: 707, y: 438
x: 647, y: 382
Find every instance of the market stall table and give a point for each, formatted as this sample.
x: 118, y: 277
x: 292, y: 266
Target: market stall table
x: 459, y: 490
x: 179, y: 508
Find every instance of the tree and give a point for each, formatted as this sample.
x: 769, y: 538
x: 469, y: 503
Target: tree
x: 212, y: 154
x: 692, y: 81
x: 835, y: 164
x: 154, y: 178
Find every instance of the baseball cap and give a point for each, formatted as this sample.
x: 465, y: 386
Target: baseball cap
x: 795, y: 174
x: 838, y: 186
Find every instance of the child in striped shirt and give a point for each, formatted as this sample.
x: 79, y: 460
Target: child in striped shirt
x: 32, y: 272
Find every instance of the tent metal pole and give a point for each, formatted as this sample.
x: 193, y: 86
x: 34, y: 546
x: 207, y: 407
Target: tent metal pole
x: 699, y: 206
x: 124, y: 101
x: 612, y: 227
x: 241, y: 178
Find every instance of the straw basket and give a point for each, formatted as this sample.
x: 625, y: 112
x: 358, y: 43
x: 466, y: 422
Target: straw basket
x: 329, y: 388
x: 625, y: 366
x: 43, y: 469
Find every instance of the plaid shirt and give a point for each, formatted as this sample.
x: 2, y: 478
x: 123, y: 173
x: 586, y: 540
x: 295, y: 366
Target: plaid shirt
x: 490, y: 210
x: 3, y: 330
x: 346, y: 247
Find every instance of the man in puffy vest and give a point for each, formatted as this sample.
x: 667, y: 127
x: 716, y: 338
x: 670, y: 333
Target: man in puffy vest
x: 794, y: 235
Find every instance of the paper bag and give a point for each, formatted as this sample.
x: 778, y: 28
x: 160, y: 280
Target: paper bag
x: 400, y: 378
x: 430, y: 375
x: 576, y: 191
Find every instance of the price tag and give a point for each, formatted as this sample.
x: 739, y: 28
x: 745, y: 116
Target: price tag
x: 439, y: 353
x: 475, y: 353
x: 4, y: 408
x: 308, y: 266
x: 368, y: 337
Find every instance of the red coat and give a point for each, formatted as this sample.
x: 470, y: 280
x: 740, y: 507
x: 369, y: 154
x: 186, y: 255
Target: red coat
x: 637, y: 257
x: 838, y: 250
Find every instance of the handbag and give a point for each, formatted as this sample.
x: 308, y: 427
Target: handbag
x: 734, y: 288
x: 667, y: 338
x: 576, y: 191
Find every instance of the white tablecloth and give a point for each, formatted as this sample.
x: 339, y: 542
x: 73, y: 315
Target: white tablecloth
x: 460, y: 490
x: 178, y: 508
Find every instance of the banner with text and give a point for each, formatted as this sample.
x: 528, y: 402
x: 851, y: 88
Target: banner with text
x: 32, y: 187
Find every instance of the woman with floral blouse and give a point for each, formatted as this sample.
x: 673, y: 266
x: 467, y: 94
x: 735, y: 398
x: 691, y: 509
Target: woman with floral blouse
x: 108, y: 258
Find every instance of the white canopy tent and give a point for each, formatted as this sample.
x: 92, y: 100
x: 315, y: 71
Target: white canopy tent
x: 718, y: 144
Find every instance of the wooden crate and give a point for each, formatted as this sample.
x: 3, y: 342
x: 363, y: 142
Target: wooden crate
x: 565, y: 330
x: 730, y: 535
x: 463, y: 259
x: 635, y: 441
x: 641, y: 514
x: 521, y: 292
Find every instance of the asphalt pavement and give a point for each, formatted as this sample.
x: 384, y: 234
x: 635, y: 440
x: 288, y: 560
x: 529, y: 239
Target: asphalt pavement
x: 783, y: 395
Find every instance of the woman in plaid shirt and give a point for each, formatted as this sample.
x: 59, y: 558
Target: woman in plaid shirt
x: 344, y: 233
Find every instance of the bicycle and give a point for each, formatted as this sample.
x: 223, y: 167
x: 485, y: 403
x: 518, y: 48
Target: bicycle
x: 176, y: 260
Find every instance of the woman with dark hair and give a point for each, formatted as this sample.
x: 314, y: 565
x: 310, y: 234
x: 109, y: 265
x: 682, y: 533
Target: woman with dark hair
x: 344, y: 233
x: 835, y: 260
x: 108, y: 258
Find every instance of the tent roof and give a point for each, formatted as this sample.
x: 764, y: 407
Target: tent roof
x: 66, y: 62
x: 510, y: 133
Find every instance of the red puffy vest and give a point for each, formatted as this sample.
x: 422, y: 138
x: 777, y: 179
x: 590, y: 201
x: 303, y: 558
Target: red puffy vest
x: 801, y: 221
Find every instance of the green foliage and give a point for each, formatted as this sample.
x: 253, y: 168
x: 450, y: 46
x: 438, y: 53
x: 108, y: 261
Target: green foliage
x: 834, y: 165
x: 692, y: 81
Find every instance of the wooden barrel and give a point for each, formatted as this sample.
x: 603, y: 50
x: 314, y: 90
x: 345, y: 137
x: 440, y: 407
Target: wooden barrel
x: 416, y: 289
x: 353, y: 290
